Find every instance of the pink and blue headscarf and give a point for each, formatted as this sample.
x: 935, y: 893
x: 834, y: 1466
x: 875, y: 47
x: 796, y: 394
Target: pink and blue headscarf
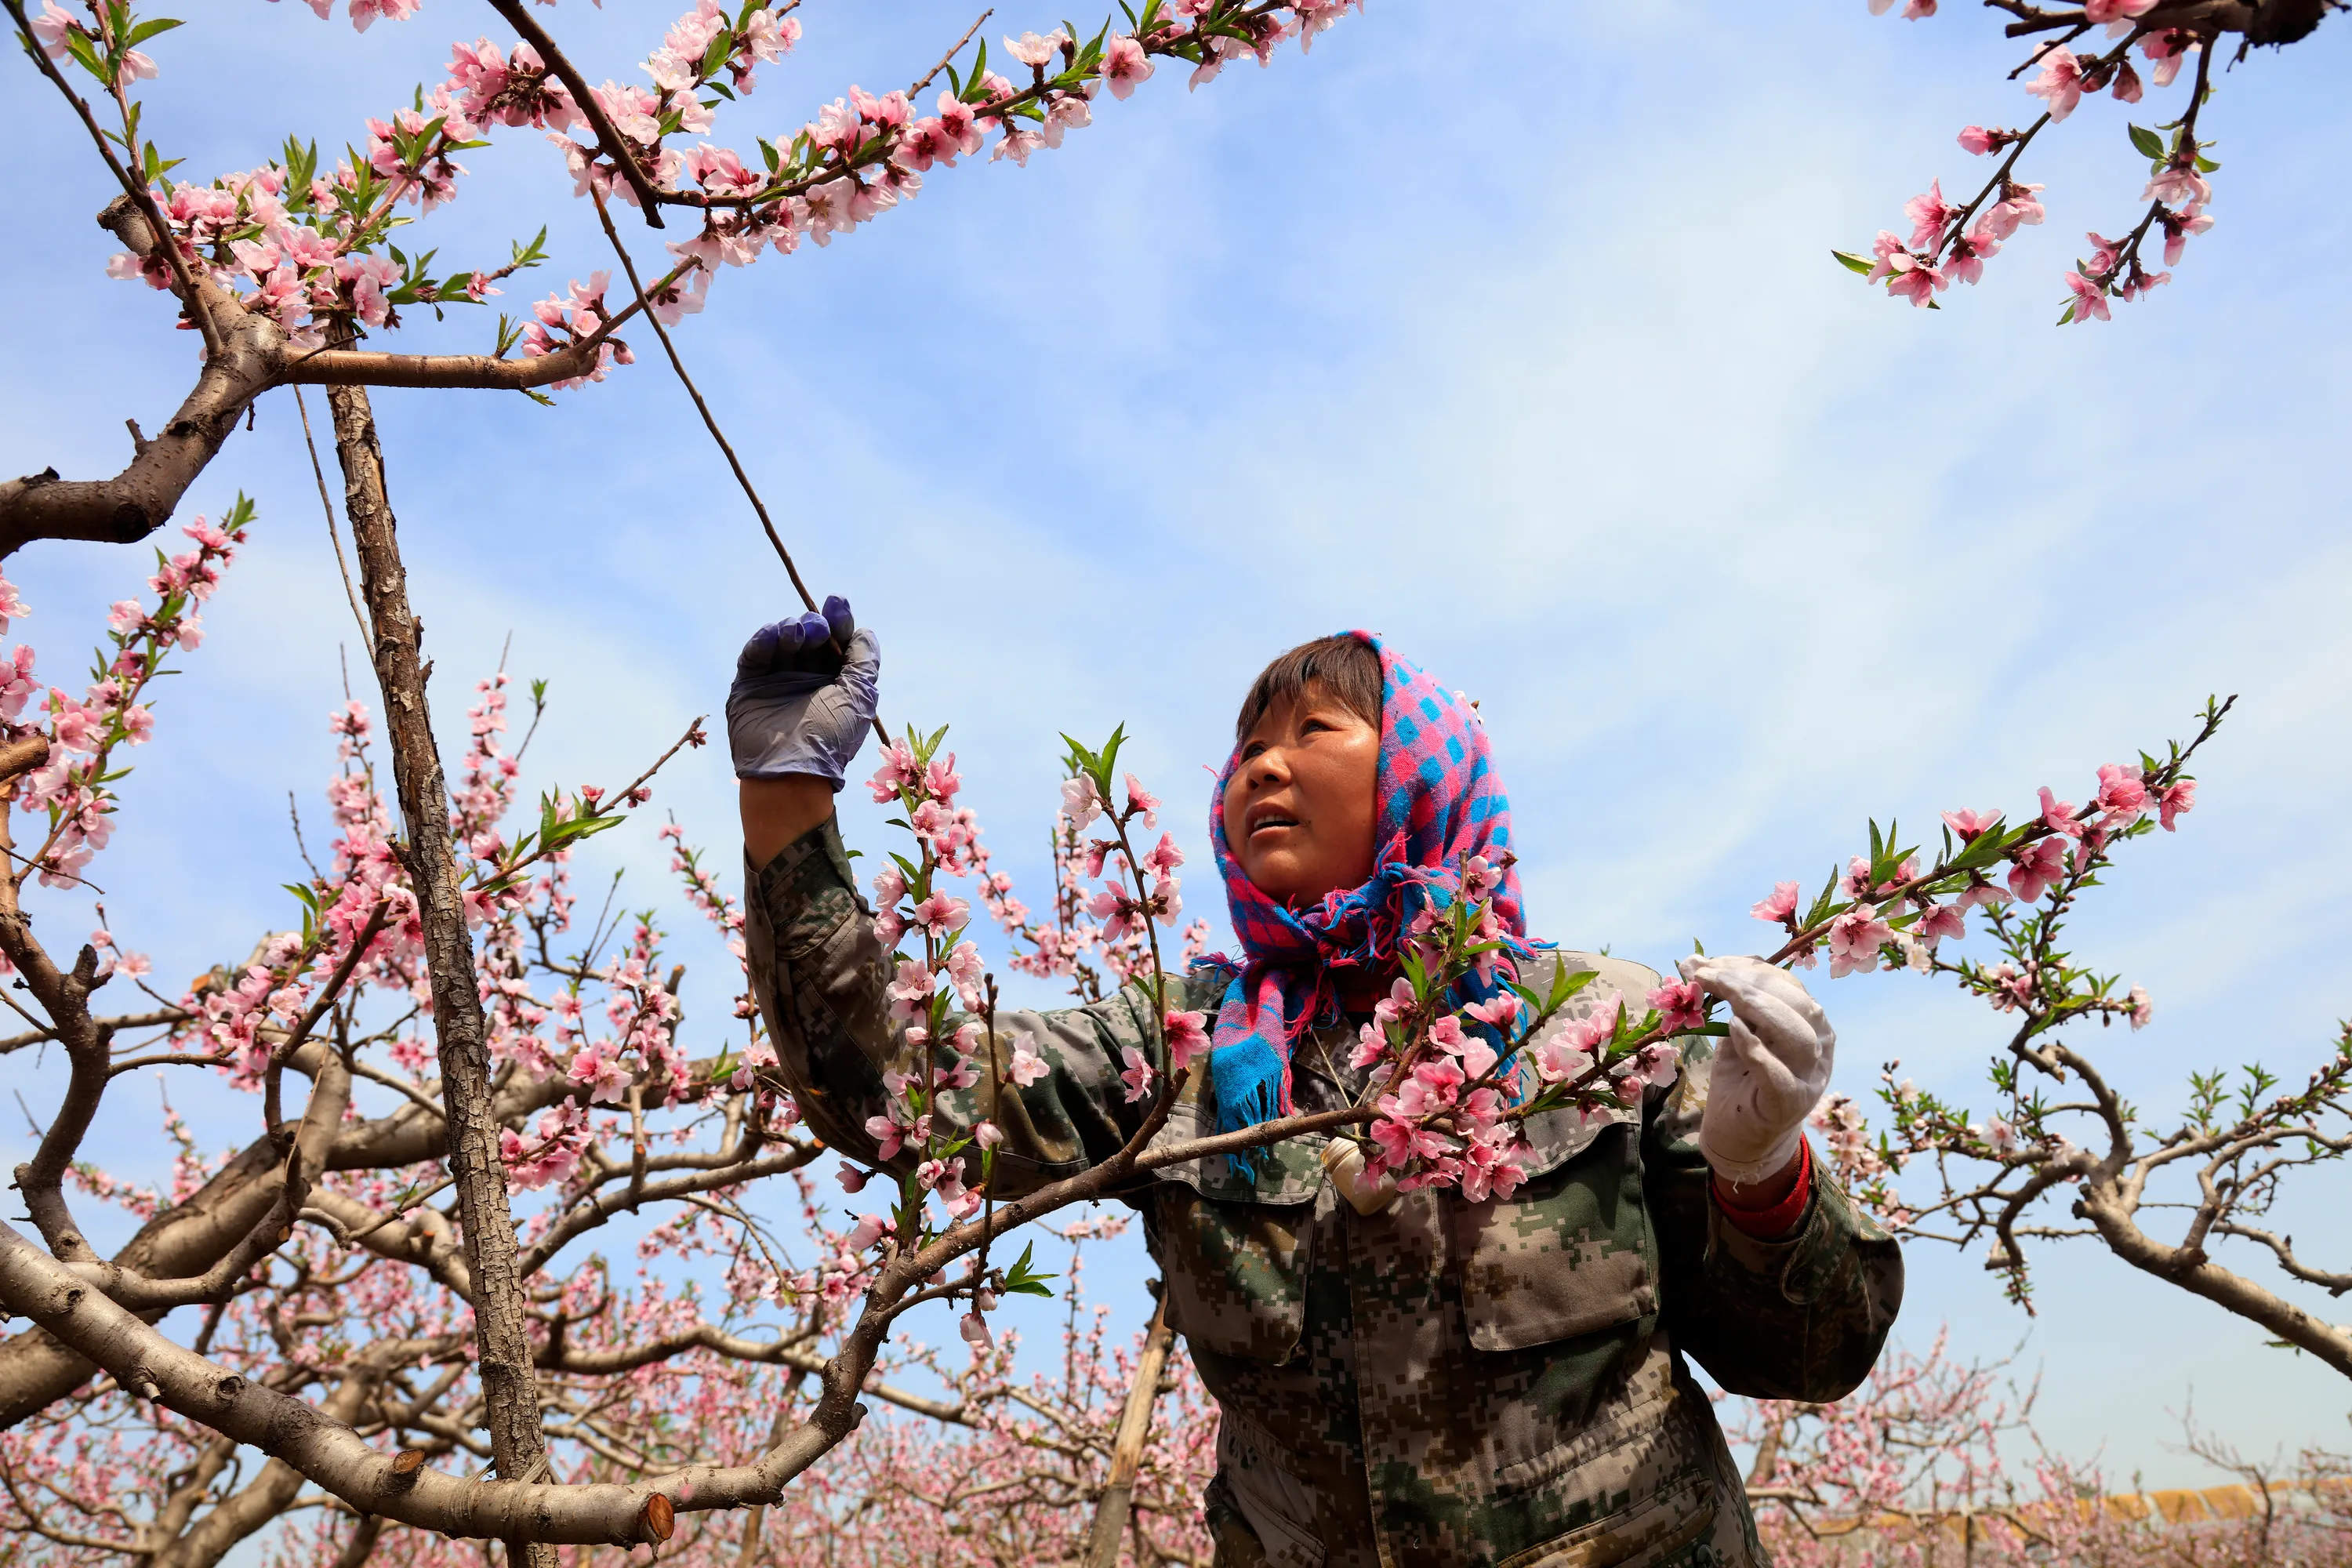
x: 1440, y: 803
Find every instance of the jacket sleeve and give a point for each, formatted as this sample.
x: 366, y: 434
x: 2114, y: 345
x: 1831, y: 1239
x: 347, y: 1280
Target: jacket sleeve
x: 1800, y: 1317
x: 821, y: 981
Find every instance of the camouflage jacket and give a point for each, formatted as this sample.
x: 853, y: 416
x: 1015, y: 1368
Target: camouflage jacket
x: 1441, y: 1384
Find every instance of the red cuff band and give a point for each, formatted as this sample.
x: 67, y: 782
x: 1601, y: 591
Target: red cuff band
x: 1782, y: 1216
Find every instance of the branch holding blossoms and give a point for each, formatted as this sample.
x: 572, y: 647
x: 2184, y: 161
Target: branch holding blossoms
x: 589, y: 103
x: 391, y: 1217
x: 1945, y: 244
x: 563, y: 823
x: 2238, y: 1142
x: 283, y: 267
x: 619, y: 1514
x: 107, y: 51
x: 635, y: 1511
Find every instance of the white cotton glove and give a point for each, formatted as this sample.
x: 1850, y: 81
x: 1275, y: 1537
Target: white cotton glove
x: 1769, y: 1071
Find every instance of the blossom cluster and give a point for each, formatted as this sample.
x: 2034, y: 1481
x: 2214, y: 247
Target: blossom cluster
x: 1950, y: 242
x: 926, y: 988
x: 74, y: 787
x: 2021, y: 879
x: 1884, y: 906
x: 310, y: 245
x: 944, y: 1002
x: 1084, y: 923
x: 1454, y: 1080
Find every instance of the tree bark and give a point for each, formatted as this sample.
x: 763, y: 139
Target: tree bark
x: 253, y: 358
x: 35, y: 1370
x: 501, y: 1330
x: 2112, y: 1213
x: 1127, y: 1448
x: 263, y: 1501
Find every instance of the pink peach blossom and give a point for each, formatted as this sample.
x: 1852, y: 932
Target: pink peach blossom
x: 2090, y: 299
x: 1680, y: 1004
x: 1780, y: 907
x: 2177, y: 799
x: 1928, y: 215
x: 1139, y: 1075
x: 2061, y: 82
x: 1186, y: 1033
x: 2038, y: 864
x: 1855, y: 938
x: 1027, y: 1067
x: 1124, y: 66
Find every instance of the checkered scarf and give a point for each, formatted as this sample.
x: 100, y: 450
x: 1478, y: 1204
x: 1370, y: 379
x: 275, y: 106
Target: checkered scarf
x: 1440, y: 803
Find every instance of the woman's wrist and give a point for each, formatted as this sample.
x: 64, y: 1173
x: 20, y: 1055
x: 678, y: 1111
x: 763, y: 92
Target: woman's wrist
x: 778, y: 811
x: 1771, y: 1207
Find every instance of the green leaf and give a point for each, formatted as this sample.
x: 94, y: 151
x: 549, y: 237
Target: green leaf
x: 1565, y: 985
x: 722, y: 44
x: 1025, y: 1279
x: 84, y: 52
x: 1853, y: 263
x: 1414, y: 971
x: 1982, y: 850
x: 2149, y: 144
x: 146, y: 30
x: 2066, y: 315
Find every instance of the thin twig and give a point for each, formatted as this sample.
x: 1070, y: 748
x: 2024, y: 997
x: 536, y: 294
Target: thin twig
x: 932, y: 75
x: 605, y: 215
x: 709, y: 422
x: 140, y: 196
x: 334, y: 534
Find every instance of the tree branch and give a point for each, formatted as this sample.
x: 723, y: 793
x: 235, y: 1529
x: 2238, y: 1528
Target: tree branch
x: 143, y: 496
x: 185, y: 283
x: 613, y: 144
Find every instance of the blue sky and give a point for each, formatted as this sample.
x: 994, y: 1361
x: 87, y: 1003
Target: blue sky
x: 1507, y: 330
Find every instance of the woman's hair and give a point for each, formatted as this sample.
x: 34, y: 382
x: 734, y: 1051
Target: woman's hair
x: 1343, y: 668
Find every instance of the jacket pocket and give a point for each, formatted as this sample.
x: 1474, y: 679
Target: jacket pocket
x: 1571, y: 1253
x: 1235, y: 1272
x: 1654, y: 1533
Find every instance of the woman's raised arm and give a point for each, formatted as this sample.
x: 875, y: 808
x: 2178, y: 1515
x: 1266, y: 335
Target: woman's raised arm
x: 1051, y: 1082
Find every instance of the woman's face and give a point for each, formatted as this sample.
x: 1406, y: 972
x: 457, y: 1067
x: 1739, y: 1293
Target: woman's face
x: 1299, y: 805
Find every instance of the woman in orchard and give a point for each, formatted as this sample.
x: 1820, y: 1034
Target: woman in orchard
x: 1405, y: 1379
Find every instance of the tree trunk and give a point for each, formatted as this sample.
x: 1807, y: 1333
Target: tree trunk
x: 509, y: 1385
